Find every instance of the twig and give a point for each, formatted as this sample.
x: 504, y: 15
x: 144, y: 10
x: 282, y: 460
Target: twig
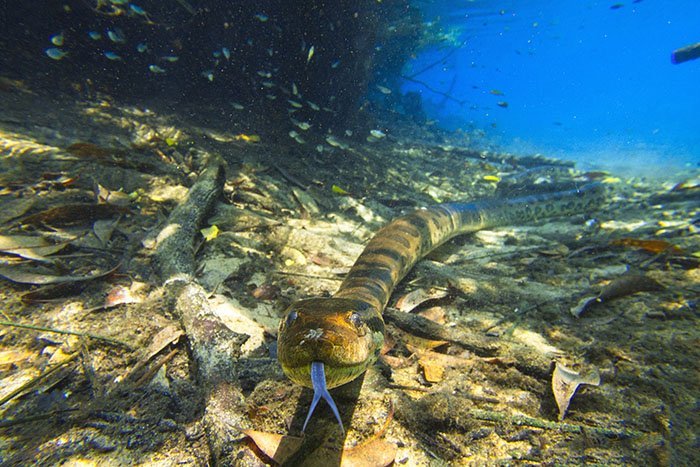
x: 524, y: 420
x: 431, y: 89
x: 64, y: 331
x: 38, y: 379
x: 34, y: 418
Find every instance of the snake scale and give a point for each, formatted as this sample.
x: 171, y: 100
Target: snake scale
x: 326, y: 342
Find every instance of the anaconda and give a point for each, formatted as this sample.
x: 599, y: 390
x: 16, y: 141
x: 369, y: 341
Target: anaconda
x: 326, y: 342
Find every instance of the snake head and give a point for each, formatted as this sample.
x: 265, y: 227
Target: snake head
x: 344, y: 335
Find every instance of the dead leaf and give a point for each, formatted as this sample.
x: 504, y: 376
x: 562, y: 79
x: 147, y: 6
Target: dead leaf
x: 279, y: 448
x: 107, y: 196
x: 433, y: 372
x: 103, y: 230
x: 565, y: 381
x: 16, y: 274
x: 71, y: 214
x: 53, y: 291
x: 15, y: 208
x: 377, y: 453
x: 28, y: 246
x: 417, y: 297
x: 627, y: 284
x: 652, y: 246
x: 120, y: 295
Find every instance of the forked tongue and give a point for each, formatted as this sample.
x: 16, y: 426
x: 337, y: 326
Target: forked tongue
x: 318, y: 380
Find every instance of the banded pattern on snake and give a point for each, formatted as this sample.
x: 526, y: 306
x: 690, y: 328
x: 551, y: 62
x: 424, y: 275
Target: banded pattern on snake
x: 326, y: 342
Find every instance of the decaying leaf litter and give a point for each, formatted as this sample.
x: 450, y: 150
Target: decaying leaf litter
x: 467, y: 371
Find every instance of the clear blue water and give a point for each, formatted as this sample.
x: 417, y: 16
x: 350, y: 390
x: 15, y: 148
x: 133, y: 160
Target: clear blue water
x: 582, y: 80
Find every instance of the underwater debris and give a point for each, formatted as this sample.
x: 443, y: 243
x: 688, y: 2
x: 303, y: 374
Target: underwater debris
x: 627, y: 284
x: 565, y: 382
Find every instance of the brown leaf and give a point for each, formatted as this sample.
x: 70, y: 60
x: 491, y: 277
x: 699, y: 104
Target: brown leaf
x: 433, y: 372
x: 417, y: 297
x: 378, y: 453
x: 565, y: 381
x: 30, y: 247
x: 279, y: 448
x: 15, y: 274
x: 120, y: 295
x: 71, y: 214
x: 627, y: 284
x: 15, y: 208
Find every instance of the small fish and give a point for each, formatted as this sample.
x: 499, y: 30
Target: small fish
x: 502, y: 104
x: 313, y: 106
x: 208, y: 74
x: 496, y: 92
x: 116, y: 36
x: 216, y: 54
x: 295, y: 104
x: 301, y: 125
x: 270, y: 51
x: 226, y: 52
x: 112, y: 56
x: 268, y: 84
x: 271, y: 97
x: 616, y: 6
x: 348, y: 133
x: 310, y: 54
x: 171, y: 58
x: 384, y: 89
x: 141, y: 48
x: 94, y: 35
x: 55, y: 53
x: 264, y: 74
x: 492, y: 178
x: 377, y: 134
x: 155, y: 69
x: 57, y: 39
x: 330, y: 139
x: 138, y: 10
x: 247, y: 138
x: 237, y: 106
x: 319, y: 148
x: 261, y: 17
x: 295, y: 91
x: 339, y: 191
x: 335, y: 64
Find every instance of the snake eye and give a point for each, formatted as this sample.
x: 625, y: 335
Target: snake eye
x: 291, y: 317
x: 355, y: 319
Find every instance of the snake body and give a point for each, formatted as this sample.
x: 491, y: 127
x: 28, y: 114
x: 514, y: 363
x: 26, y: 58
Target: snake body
x: 326, y: 342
